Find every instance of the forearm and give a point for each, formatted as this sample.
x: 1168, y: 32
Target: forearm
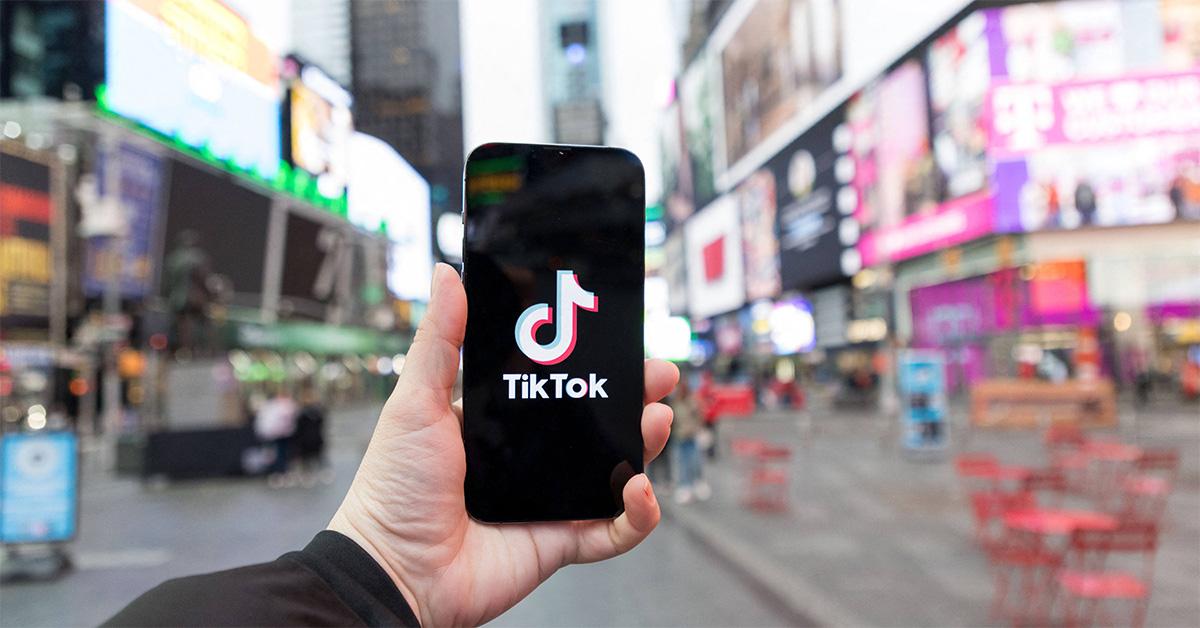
x: 332, y: 581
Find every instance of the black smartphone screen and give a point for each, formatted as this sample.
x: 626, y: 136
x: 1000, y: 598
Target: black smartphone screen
x: 553, y: 262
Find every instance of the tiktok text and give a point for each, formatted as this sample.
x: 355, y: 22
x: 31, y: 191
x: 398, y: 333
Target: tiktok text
x: 530, y: 386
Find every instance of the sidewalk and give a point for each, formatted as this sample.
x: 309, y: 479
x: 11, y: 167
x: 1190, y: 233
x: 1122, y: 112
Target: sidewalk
x: 875, y: 538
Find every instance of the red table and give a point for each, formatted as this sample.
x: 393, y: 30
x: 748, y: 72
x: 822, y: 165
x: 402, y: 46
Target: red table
x: 1050, y: 522
x: 1115, y: 452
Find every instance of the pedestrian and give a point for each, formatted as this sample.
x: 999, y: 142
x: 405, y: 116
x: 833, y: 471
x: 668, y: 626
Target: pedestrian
x: 274, y: 424
x: 686, y: 431
x: 401, y: 549
x: 308, y: 443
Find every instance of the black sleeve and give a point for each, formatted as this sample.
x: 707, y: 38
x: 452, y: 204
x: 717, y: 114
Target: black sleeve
x: 331, y: 582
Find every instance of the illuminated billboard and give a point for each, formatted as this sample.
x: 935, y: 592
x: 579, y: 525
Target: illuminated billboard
x: 817, y: 229
x: 899, y: 193
x: 1091, y: 114
x: 1121, y: 151
x: 387, y: 194
x: 319, y: 124
x: 203, y: 72
x: 26, y: 262
x: 715, y: 271
x: 1034, y: 116
x: 775, y: 64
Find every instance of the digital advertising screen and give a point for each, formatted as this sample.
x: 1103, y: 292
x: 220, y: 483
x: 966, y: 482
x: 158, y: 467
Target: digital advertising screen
x: 26, y: 264
x: 674, y: 271
x: 679, y: 195
x: 39, y: 483
x: 715, y: 271
x: 1091, y: 114
x: 757, y: 206
x: 319, y: 126
x: 316, y: 255
x: 141, y: 192
x: 389, y: 194
x: 959, y: 77
x: 817, y: 227
x: 775, y: 64
x: 902, y: 203
x: 700, y: 100
x: 204, y: 257
x: 204, y: 72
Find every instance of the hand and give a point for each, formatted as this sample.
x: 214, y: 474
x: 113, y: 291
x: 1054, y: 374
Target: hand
x: 406, y: 505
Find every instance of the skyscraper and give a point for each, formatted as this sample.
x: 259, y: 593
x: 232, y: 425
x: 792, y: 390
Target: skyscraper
x: 407, y: 85
x: 321, y: 35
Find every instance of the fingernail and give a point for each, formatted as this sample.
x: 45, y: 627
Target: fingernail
x: 649, y: 490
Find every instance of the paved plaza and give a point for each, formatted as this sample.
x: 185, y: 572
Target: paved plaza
x: 871, y: 536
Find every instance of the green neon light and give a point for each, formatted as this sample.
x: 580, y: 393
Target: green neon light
x: 289, y: 181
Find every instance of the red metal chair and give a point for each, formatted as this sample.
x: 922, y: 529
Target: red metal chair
x: 1012, y: 553
x: 1084, y: 580
x: 976, y: 472
x: 770, y: 479
x: 1062, y: 438
x: 1145, y: 500
x: 1049, y: 486
x: 1161, y: 462
x: 746, y: 448
x: 745, y: 458
x: 988, y: 509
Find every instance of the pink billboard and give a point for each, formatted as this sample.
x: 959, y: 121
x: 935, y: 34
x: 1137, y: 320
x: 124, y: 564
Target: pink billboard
x: 1025, y: 117
x: 951, y: 223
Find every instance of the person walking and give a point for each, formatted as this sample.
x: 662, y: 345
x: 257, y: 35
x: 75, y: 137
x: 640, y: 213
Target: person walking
x: 686, y: 431
x: 308, y: 442
x: 275, y: 423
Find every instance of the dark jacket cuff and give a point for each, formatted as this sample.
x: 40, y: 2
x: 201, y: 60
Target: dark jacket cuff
x: 356, y: 579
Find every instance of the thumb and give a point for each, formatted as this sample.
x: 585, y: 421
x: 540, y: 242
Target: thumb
x: 432, y: 363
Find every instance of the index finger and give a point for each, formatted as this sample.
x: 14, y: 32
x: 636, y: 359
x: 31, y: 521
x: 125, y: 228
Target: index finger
x: 661, y: 377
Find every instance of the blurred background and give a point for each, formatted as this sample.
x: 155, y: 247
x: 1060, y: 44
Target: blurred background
x: 932, y: 269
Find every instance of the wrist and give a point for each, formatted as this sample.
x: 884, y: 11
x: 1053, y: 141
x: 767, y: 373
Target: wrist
x: 360, y: 532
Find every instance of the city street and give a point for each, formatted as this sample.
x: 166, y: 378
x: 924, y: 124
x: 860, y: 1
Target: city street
x: 930, y: 273
x: 133, y: 537
x: 870, y: 537
x: 876, y: 537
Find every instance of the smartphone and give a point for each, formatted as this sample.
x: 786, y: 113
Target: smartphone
x: 554, y: 265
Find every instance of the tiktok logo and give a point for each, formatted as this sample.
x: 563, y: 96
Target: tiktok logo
x: 570, y: 296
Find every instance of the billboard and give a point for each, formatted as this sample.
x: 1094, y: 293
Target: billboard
x: 1091, y: 114
x: 39, y: 482
x: 387, y: 194
x: 900, y: 191
x: 959, y: 77
x: 141, y: 196
x: 775, y: 64
x: 756, y: 205
x: 678, y: 193
x: 317, y: 258
x: 1101, y: 152
x: 26, y: 262
x: 817, y: 229
x: 205, y: 258
x: 319, y: 125
x: 700, y: 102
x: 204, y: 72
x: 674, y: 271
x: 715, y: 274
